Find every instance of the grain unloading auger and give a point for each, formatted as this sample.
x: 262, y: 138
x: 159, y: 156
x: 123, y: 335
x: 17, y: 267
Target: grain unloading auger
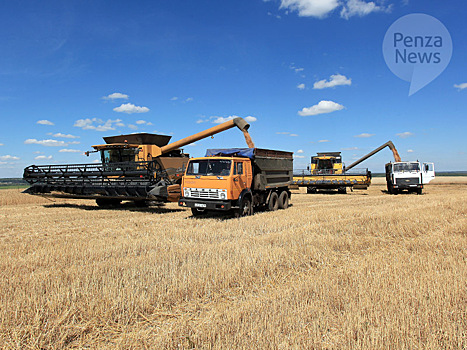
x: 137, y: 167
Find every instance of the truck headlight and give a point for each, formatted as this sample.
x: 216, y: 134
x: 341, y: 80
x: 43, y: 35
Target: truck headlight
x: 222, y: 196
x: 186, y: 192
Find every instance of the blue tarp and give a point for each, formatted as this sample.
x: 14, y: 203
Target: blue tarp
x: 231, y: 152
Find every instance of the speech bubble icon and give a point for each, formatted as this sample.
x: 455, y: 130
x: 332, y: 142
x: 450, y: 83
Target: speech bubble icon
x: 417, y: 48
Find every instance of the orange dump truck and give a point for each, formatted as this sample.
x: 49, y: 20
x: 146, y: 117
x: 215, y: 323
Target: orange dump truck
x: 238, y: 179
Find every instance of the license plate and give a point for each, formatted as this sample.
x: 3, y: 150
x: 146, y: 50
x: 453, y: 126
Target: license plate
x: 200, y: 205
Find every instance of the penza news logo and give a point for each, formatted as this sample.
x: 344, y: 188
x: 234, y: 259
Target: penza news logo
x: 417, y: 48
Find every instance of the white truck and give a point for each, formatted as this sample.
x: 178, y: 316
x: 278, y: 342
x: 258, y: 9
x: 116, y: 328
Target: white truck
x: 410, y: 176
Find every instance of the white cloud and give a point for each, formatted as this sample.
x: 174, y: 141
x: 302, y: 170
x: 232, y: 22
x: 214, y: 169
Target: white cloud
x: 175, y: 98
x: 282, y: 132
x: 310, y: 8
x: 43, y: 157
x: 116, y: 96
x: 349, y: 149
x: 1, y: 144
x: 130, y: 108
x: 219, y: 120
x: 301, y: 86
x: 322, y: 107
x: 189, y: 99
x: 360, y: 8
x: 296, y: 69
x: 335, y: 80
x: 88, y: 124
x: 132, y: 127
x: 404, y: 135
x: 67, y: 150
x: 48, y: 143
x: 410, y: 151
x: 300, y: 151
x: 297, y: 156
x: 460, y: 86
x: 323, y: 141
x: 8, y: 157
x: 364, y: 135
x: 44, y: 122
x: 64, y: 136
x: 293, y: 135
x: 139, y: 122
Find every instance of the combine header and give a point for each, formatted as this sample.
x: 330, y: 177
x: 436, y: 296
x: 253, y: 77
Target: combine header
x: 136, y: 167
x: 328, y: 173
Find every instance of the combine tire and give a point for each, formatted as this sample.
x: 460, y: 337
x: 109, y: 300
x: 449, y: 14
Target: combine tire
x: 141, y: 204
x: 284, y: 200
x: 342, y: 190
x: 311, y: 190
x: 245, y: 209
x: 273, y: 203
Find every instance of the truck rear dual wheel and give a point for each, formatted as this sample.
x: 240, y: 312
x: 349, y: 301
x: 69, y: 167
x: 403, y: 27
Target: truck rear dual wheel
x: 283, y: 200
x: 273, y: 203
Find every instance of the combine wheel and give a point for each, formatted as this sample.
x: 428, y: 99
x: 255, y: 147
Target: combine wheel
x: 273, y: 203
x: 284, y: 200
x: 245, y: 209
x: 342, y: 190
x: 141, y: 204
x: 311, y: 190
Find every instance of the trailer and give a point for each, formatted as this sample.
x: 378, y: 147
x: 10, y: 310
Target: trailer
x: 239, y: 180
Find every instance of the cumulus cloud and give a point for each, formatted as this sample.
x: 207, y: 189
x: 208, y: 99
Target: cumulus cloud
x: 360, y: 8
x: 322, y: 8
x: 293, y: 135
x: 364, y: 135
x: 219, y: 120
x: 68, y: 150
x: 8, y: 157
x: 130, y: 108
x: 43, y: 157
x: 143, y: 122
x: 300, y: 151
x: 64, y: 136
x: 349, y: 149
x: 410, y: 151
x: 132, y: 127
x: 1, y: 144
x: 98, y: 124
x: 189, y: 99
x: 296, y: 69
x: 297, y: 156
x: 460, y: 86
x: 301, y: 86
x: 322, y: 107
x: 323, y: 141
x: 44, y: 122
x: 310, y: 8
x: 334, y: 80
x: 404, y: 135
x: 116, y: 96
x: 48, y: 143
x: 175, y: 98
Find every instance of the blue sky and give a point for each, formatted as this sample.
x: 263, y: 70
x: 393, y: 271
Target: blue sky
x: 309, y: 75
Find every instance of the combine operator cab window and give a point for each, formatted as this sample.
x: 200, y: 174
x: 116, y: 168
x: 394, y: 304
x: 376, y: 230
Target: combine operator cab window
x: 218, y: 167
x: 325, y: 166
x: 119, y: 155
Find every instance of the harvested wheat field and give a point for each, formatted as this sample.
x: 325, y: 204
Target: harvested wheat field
x: 365, y: 270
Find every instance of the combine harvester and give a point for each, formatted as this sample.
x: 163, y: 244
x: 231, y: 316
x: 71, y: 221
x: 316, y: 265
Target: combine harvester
x: 137, y: 167
x: 327, y: 172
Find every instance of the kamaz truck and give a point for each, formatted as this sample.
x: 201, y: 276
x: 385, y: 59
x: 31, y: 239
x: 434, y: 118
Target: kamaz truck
x: 239, y: 180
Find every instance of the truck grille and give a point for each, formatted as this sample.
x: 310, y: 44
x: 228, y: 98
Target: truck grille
x: 407, y: 181
x: 206, y: 193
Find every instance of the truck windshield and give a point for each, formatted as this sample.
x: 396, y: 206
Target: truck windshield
x: 211, y: 167
x: 401, y: 167
x: 118, y: 155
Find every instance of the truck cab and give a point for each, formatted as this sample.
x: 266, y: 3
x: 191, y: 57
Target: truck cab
x: 410, y: 176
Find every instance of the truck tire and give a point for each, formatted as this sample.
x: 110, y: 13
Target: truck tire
x: 245, y: 208
x: 284, y: 200
x: 198, y: 212
x: 419, y: 191
x: 273, y: 203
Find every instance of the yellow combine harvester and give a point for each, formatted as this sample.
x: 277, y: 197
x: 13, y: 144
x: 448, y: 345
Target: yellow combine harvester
x: 327, y: 172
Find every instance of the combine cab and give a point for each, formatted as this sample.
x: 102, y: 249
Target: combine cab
x: 137, y: 167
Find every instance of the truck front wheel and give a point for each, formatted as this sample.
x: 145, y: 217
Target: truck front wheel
x: 198, y: 212
x: 245, y: 209
x: 273, y: 203
x: 284, y: 200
